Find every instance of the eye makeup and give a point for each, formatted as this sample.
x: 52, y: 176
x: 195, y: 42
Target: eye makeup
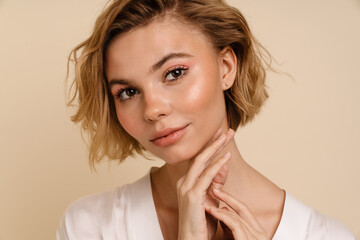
x: 175, y: 73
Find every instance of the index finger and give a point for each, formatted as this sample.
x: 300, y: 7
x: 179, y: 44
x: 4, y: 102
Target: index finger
x: 239, y: 207
x: 200, y: 161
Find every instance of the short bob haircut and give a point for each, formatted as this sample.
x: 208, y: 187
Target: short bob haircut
x: 222, y: 24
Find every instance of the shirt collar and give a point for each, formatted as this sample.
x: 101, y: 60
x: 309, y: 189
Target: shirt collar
x: 145, y: 223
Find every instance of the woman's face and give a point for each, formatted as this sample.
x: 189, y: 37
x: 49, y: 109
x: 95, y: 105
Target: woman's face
x: 167, y: 82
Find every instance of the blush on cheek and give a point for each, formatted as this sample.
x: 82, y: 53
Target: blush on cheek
x: 201, y: 95
x: 129, y: 125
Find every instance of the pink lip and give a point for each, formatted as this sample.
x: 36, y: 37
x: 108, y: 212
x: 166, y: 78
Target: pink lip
x: 168, y: 136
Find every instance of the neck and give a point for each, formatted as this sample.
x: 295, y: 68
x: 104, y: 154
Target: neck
x: 164, y: 179
x: 243, y: 182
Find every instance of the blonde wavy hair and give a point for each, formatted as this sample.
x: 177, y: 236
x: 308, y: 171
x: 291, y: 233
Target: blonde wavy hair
x: 222, y: 24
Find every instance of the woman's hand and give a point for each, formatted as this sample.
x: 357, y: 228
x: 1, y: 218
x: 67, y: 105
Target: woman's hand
x: 206, y: 172
x: 237, y: 223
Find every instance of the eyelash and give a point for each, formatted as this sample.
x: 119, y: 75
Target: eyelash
x: 183, y: 70
x: 121, y: 91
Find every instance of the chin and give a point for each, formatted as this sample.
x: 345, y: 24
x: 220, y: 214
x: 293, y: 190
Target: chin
x: 184, y: 150
x: 173, y: 160
x: 179, y: 154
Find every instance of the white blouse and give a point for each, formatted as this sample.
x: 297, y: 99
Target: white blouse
x: 128, y: 213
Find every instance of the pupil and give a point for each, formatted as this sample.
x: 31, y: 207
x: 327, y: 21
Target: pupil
x: 176, y: 73
x: 130, y: 92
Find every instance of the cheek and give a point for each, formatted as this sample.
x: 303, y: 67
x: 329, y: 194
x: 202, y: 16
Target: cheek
x: 128, y: 122
x: 204, y: 94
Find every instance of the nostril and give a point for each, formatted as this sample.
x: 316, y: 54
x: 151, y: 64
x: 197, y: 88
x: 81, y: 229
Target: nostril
x: 155, y: 107
x: 154, y: 117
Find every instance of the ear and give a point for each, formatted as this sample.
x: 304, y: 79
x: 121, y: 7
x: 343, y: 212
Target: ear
x: 228, y: 67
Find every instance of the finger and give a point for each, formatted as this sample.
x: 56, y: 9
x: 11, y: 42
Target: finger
x: 239, y: 207
x: 227, y: 233
x: 209, y: 174
x: 206, y: 155
x: 218, y: 182
x: 217, y: 135
x: 201, y: 159
x: 248, y: 228
x: 200, y: 162
x: 238, y: 226
x: 220, y: 178
x: 229, y: 136
x: 232, y: 221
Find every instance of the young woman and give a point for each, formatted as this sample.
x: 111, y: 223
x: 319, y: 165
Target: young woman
x: 176, y: 78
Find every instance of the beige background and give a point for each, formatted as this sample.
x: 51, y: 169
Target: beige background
x: 307, y: 138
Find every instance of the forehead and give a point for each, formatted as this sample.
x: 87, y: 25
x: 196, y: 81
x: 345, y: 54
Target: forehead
x: 145, y: 45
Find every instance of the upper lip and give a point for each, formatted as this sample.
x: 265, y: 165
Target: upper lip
x: 165, y: 132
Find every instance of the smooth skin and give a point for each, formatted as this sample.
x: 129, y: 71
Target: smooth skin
x: 167, y: 75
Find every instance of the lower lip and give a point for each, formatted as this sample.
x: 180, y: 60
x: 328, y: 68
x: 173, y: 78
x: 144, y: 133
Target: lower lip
x: 169, y: 139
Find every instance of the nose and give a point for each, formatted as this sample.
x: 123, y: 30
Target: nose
x: 156, y: 106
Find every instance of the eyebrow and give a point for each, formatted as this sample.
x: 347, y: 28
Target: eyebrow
x: 117, y: 81
x: 168, y: 57
x: 155, y: 67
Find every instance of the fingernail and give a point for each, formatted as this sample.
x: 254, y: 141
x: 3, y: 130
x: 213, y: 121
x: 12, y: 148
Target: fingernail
x: 229, y: 135
x: 222, y: 137
x: 225, y: 158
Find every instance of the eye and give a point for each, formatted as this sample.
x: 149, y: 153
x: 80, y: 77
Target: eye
x: 125, y: 94
x: 176, y: 73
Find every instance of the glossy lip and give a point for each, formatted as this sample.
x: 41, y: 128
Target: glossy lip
x: 168, y: 136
